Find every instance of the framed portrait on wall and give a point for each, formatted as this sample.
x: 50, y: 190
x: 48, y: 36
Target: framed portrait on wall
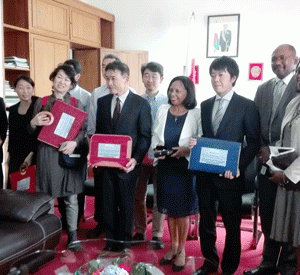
x: 223, y: 35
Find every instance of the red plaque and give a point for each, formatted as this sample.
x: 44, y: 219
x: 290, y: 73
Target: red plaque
x: 24, y: 180
x: 67, y: 123
x: 110, y: 151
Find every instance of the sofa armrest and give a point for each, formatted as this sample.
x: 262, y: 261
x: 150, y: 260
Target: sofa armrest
x: 22, y: 206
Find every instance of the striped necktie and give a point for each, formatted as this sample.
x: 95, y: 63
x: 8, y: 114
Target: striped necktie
x: 218, y: 116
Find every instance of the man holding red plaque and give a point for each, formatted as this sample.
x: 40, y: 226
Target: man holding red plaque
x: 121, y: 113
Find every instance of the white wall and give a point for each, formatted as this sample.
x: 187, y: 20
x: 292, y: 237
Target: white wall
x: 161, y: 28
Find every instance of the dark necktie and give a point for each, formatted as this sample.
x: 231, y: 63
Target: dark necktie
x: 116, y: 114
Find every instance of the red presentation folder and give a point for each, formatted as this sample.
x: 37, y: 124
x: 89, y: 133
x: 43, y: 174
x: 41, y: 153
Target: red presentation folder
x: 24, y: 180
x: 59, y: 132
x: 110, y: 150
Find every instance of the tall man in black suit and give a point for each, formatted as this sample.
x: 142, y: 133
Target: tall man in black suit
x: 3, y: 131
x: 226, y: 116
x: 271, y: 98
x: 122, y: 113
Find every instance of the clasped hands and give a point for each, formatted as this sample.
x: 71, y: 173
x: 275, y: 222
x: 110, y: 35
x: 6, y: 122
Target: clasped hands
x: 128, y: 168
x: 227, y: 174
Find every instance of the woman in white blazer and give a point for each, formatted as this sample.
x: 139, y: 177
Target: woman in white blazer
x: 286, y: 217
x: 174, y: 126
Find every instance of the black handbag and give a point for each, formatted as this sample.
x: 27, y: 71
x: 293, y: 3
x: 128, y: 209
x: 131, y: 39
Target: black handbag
x: 77, y: 160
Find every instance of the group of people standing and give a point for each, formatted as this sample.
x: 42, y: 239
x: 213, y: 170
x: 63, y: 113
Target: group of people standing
x: 160, y: 123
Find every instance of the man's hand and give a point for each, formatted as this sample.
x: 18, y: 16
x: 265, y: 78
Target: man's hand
x: 264, y: 154
x: 130, y: 165
x: 278, y: 177
x: 68, y: 147
x: 228, y: 175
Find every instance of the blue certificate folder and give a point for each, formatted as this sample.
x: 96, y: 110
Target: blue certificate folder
x: 215, y: 156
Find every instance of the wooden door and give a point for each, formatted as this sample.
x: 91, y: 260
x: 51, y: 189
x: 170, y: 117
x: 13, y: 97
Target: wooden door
x: 46, y: 54
x: 49, y: 18
x: 84, y: 28
x: 89, y: 61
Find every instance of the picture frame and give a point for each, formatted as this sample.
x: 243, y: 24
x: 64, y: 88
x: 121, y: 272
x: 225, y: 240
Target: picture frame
x: 256, y: 71
x: 223, y: 35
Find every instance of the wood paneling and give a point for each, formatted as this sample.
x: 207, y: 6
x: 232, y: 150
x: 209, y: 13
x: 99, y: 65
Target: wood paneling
x: 50, y: 18
x: 46, y: 53
x: 85, y: 28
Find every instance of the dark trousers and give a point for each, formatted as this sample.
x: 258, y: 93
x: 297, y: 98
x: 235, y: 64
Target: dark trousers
x: 1, y: 176
x: 98, y: 196
x: 229, y: 205
x: 118, y: 203
x: 271, y: 252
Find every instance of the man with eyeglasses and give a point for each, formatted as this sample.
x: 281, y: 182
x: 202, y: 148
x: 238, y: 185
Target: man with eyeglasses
x: 271, y: 99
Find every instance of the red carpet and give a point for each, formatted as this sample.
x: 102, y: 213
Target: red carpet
x: 69, y: 262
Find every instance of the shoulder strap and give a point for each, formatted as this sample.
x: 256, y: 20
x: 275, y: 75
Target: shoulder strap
x: 73, y: 102
x: 44, y: 101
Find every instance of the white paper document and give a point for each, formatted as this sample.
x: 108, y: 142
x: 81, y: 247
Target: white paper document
x: 23, y: 184
x: 64, y: 125
x: 213, y: 156
x: 109, y: 150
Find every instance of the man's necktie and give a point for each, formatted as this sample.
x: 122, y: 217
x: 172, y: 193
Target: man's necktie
x: 218, y: 116
x: 116, y: 114
x: 278, y: 91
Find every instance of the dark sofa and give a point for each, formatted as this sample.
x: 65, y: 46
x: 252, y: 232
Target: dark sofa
x: 26, y: 227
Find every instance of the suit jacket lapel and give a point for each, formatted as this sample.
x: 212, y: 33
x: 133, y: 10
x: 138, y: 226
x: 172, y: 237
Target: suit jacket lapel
x: 206, y: 111
x: 286, y: 97
x: 125, y: 110
x: 107, y: 113
x: 229, y: 112
x: 270, y: 91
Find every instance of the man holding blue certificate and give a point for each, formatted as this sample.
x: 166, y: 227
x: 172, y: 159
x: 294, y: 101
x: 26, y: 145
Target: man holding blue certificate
x: 230, y: 117
x: 121, y: 113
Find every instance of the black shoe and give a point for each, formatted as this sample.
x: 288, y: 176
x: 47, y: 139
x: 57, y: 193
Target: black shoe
x: 139, y: 237
x: 262, y: 271
x: 205, y: 270
x: 73, y: 244
x: 178, y: 268
x: 164, y: 261
x: 95, y: 233
x: 157, y: 243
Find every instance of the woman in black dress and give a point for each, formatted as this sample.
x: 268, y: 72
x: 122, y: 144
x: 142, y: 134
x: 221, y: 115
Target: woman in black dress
x: 21, y: 145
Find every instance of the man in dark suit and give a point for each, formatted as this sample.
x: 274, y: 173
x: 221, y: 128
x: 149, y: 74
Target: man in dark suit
x: 271, y: 99
x: 122, y: 113
x: 3, y: 131
x: 226, y: 116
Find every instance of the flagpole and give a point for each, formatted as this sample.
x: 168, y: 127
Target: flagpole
x: 190, y: 61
